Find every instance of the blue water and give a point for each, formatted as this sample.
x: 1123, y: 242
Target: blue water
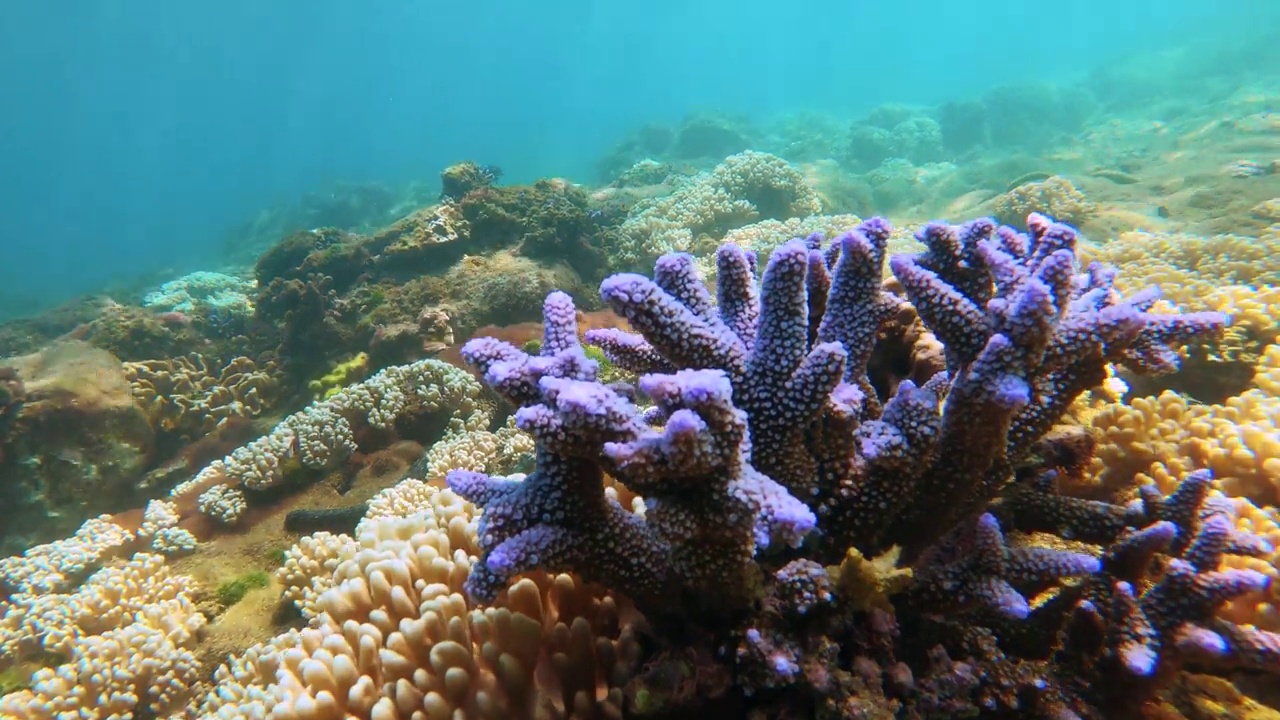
x: 134, y: 133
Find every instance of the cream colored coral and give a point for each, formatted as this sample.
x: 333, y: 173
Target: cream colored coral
x: 396, y: 638
x: 324, y: 438
x: 158, y: 515
x: 215, y: 473
x: 308, y: 568
x: 159, y: 527
x: 128, y: 633
x: 712, y: 204
x: 223, y: 503
x: 53, y: 566
x: 441, y: 507
x: 422, y: 386
x: 108, y: 599
x: 174, y: 541
x: 142, y: 666
x: 321, y: 435
x: 312, y: 565
x: 481, y: 450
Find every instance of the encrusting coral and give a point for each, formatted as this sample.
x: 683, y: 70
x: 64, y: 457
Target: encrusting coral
x: 782, y: 370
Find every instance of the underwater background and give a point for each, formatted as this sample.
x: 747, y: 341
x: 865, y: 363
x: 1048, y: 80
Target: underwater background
x: 586, y: 361
x: 138, y: 135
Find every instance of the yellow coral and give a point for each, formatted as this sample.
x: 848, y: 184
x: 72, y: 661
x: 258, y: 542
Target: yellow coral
x: 342, y: 375
x: 868, y: 583
x: 1159, y: 440
x: 1054, y: 196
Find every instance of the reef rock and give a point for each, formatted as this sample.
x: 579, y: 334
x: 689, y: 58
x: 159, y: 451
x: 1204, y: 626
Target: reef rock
x: 76, y: 447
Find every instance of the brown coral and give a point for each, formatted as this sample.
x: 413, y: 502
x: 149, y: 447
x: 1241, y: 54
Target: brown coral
x: 191, y: 396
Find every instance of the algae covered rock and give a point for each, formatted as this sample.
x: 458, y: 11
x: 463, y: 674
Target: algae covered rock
x: 76, y: 448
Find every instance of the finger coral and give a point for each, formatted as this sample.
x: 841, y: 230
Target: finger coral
x: 126, y: 634
x: 322, y: 435
x: 765, y: 433
x: 394, y: 637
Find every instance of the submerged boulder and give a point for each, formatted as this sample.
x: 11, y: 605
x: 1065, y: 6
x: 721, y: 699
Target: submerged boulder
x: 76, y: 448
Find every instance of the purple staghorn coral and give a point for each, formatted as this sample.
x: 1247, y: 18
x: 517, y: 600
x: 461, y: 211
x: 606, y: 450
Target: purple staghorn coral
x: 1024, y: 336
x: 707, y: 508
x: 764, y: 432
x: 1150, y: 607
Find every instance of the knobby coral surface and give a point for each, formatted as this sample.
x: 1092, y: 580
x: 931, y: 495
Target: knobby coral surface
x: 764, y: 434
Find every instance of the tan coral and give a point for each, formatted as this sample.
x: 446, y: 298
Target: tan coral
x: 730, y: 196
x: 396, y: 638
x: 191, y: 396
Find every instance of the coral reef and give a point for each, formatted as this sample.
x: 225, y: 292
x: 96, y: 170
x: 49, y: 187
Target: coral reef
x: 547, y: 220
x: 132, y: 333
x: 191, y: 396
x: 203, y: 291
x: 1024, y: 335
x: 394, y: 636
x: 464, y: 177
x: 323, y: 435
x: 76, y: 448
x: 915, y: 138
x: 1055, y: 196
x: 816, y: 468
x: 126, y: 635
x: 745, y: 188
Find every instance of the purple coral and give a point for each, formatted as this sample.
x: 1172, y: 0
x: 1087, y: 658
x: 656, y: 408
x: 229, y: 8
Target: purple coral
x: 707, y: 508
x: 764, y: 429
x: 1024, y: 335
x: 975, y: 569
x: 1137, y: 619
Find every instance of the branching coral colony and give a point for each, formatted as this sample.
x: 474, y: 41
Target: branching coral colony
x: 766, y: 455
